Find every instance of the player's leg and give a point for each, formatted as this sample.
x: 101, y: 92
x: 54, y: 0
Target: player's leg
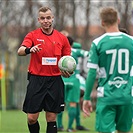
x: 68, y: 84
x: 72, y: 98
x: 79, y: 126
x: 71, y: 115
x: 78, y: 109
x: 124, y: 118
x: 78, y: 115
x: 105, y: 118
x: 59, y: 122
x: 132, y: 112
x: 33, y: 124
x: 82, y: 88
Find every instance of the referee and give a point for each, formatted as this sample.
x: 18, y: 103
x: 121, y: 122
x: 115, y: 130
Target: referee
x: 45, y: 90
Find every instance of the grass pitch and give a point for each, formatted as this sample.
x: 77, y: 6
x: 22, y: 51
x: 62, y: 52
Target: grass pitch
x: 15, y: 121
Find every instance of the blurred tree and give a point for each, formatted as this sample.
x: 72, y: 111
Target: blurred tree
x: 125, y: 11
x: 86, y: 35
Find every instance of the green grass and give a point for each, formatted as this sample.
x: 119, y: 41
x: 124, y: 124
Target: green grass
x: 16, y: 122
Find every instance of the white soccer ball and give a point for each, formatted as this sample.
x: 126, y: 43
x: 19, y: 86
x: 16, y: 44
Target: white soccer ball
x: 67, y: 63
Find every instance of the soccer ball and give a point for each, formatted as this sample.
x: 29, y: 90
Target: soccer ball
x: 67, y: 63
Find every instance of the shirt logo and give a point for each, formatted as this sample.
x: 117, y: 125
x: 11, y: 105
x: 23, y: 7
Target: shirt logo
x: 40, y: 40
x: 118, y: 82
x: 49, y: 61
x: 62, y: 105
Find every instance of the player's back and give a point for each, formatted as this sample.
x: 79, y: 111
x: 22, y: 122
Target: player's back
x: 115, y: 61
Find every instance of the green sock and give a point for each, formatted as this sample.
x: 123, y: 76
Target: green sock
x: 71, y: 115
x: 59, y: 120
x: 78, y: 115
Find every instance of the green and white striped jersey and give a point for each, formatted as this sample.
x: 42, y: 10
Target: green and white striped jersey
x: 112, y: 53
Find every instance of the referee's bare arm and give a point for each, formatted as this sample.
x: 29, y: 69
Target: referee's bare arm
x: 21, y: 51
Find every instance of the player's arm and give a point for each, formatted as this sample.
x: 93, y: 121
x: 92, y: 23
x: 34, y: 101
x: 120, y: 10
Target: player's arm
x: 91, y: 76
x: 90, y: 83
x: 87, y: 106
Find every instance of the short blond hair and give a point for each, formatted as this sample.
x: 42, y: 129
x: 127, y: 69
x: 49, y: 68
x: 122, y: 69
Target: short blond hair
x: 44, y: 9
x: 109, y: 15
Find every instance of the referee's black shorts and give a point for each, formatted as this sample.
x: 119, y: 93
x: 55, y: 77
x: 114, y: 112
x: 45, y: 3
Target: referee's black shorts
x: 44, y: 93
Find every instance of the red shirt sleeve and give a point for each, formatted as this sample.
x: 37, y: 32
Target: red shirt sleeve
x: 28, y: 42
x: 67, y: 48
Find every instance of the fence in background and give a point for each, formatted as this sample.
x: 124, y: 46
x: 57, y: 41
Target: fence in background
x: 13, y: 91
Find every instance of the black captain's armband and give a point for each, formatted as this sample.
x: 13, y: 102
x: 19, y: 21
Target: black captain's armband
x: 27, y: 50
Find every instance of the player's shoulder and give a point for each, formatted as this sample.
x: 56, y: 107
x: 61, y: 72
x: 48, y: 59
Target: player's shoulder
x: 98, y: 39
x: 110, y: 36
x: 127, y: 35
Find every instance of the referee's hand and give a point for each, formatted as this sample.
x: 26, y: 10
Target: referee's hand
x: 35, y: 48
x: 65, y: 74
